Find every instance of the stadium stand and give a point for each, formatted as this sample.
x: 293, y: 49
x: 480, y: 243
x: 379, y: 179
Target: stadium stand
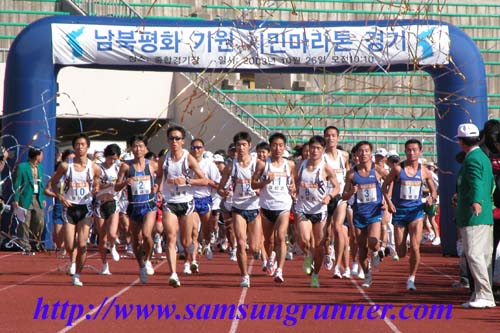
x: 392, y: 106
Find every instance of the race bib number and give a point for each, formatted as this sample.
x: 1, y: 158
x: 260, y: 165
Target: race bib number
x: 141, y: 185
x: 80, y: 191
x: 410, y: 190
x: 367, y: 193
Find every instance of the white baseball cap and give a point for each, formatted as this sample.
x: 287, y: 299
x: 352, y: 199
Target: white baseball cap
x: 392, y: 153
x: 467, y: 130
x: 218, y: 158
x: 381, y: 152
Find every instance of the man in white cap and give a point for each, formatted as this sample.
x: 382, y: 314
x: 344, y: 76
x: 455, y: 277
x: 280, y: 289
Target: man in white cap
x: 474, y: 215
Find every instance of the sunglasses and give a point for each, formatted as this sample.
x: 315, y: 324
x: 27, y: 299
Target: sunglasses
x: 175, y: 138
x: 196, y: 147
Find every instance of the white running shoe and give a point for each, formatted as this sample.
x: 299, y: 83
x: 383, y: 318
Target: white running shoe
x: 278, y: 277
x: 410, y: 285
x: 245, y: 281
x: 270, y: 267
x: 232, y: 255
x: 72, y: 269
x: 436, y: 241
x: 149, y: 267
x: 336, y: 273
x: 158, y: 247
x: 368, y: 281
x: 328, y: 262
x: 114, y: 253
x: 361, y: 274
x: 187, y: 268
x: 195, y: 267
x: 347, y: 273
x: 105, y: 269
x: 76, y: 280
x: 209, y: 254
x: 354, y: 268
x: 143, y: 275
x: 174, y: 281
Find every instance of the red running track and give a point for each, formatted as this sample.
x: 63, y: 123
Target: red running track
x: 26, y: 279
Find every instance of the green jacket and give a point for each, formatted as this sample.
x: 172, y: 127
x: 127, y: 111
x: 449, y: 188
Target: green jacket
x: 24, y: 185
x: 474, y: 184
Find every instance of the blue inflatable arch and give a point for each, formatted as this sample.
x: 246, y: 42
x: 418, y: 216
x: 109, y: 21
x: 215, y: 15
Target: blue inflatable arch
x: 440, y: 49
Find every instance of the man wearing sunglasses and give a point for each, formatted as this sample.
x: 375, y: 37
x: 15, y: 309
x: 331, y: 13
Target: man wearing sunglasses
x: 179, y: 171
x: 202, y: 196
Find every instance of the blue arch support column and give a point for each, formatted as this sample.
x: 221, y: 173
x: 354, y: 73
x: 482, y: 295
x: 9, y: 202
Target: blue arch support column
x: 47, y: 45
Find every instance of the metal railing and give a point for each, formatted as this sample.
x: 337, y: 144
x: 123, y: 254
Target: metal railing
x: 229, y: 105
x: 119, y: 8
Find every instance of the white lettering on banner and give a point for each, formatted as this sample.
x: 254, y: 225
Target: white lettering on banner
x: 231, y: 47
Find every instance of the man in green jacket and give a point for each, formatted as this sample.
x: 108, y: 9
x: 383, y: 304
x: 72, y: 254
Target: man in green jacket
x: 28, y: 186
x: 474, y: 215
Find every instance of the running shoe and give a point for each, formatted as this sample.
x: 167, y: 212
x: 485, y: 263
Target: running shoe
x: 187, y: 268
x: 76, y: 280
x: 314, y: 281
x: 129, y: 249
x: 105, y: 269
x: 436, y: 241
x: 368, y: 281
x: 278, y: 277
x: 209, y: 254
x: 361, y: 274
x: 114, y: 253
x: 307, y: 265
x: 463, y: 283
x: 149, y: 267
x: 72, y: 269
x: 336, y: 273
x: 375, y: 260
x: 328, y: 262
x: 174, y: 281
x: 270, y: 267
x: 194, y: 267
x: 354, y: 268
x: 347, y: 273
x: 158, y: 247
x: 232, y: 255
x: 245, y: 281
x: 289, y: 255
x: 143, y: 275
x: 410, y: 285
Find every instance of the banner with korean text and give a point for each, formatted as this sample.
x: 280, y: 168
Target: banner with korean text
x: 260, y: 48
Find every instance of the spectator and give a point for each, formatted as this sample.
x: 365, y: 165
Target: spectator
x: 28, y: 194
x: 474, y: 215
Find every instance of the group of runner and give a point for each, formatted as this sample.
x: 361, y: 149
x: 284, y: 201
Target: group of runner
x: 338, y: 202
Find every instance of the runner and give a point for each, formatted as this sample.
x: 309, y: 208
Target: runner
x: 405, y: 204
x: 274, y: 178
x: 311, y: 207
x: 245, y: 202
x: 138, y: 176
x: 364, y: 181
x: 81, y: 177
x: 106, y: 205
x: 338, y: 160
x: 178, y: 166
x: 202, y: 196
